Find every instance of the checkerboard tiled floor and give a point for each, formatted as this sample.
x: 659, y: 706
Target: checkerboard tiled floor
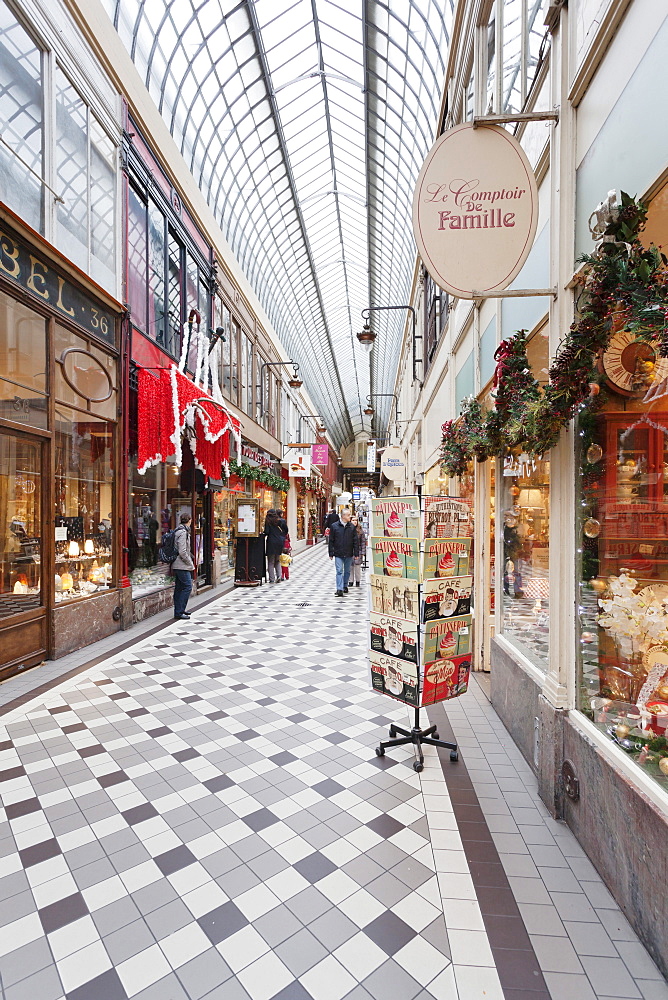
x: 202, y: 817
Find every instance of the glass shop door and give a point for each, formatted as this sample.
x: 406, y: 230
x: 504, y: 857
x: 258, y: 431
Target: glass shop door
x: 23, y: 626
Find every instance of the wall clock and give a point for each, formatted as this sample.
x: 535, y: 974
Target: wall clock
x: 631, y: 365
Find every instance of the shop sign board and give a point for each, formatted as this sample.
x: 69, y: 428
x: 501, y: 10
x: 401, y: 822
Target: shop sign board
x: 44, y: 283
x: 393, y: 464
x: 475, y: 209
x: 371, y: 456
x: 299, y: 461
x: 256, y: 457
x: 319, y: 454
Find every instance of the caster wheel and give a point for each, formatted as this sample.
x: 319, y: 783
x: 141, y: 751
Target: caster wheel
x: 380, y: 752
x: 393, y: 732
x: 417, y: 766
x: 454, y: 756
x: 435, y: 736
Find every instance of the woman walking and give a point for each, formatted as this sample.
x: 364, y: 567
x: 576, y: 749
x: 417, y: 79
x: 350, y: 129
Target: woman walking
x: 358, y: 558
x: 275, y: 543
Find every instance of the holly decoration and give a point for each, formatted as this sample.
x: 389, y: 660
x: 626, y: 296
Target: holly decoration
x: 623, y: 286
x: 269, y: 479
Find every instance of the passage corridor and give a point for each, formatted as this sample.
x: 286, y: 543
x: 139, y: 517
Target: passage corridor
x: 203, y: 815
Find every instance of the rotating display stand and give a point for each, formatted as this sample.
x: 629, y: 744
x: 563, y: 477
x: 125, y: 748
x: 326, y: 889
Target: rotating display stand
x: 420, y: 621
x: 417, y: 736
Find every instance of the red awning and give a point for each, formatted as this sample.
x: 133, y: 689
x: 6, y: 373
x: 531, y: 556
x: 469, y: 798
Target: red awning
x: 168, y: 402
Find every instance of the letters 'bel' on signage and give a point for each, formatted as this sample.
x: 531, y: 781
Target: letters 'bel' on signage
x: 475, y: 210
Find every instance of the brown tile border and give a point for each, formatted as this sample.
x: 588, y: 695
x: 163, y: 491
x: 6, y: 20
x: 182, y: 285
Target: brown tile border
x: 516, y: 963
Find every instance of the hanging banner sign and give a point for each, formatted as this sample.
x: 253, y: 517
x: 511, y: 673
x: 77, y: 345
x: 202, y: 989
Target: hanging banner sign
x: 319, y: 454
x: 371, y: 456
x: 475, y: 209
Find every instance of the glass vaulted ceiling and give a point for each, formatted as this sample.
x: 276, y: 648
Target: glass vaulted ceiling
x: 305, y: 123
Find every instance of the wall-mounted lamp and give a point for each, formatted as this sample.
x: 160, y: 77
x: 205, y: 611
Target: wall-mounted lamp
x: 366, y: 314
x: 215, y: 336
x: 369, y: 411
x: 295, y: 382
x: 366, y: 337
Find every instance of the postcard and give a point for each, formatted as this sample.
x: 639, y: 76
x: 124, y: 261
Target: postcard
x: 393, y: 677
x: 444, y: 679
x: 396, y: 557
x: 447, y: 517
x: 446, y: 638
x: 396, y: 517
x: 446, y: 557
x: 446, y: 597
x: 394, y: 636
x: 394, y: 597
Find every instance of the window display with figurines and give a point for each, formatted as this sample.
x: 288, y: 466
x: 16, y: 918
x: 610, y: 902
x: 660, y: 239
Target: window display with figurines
x: 20, y: 524
x: 623, y: 540
x: 524, y: 528
x: 84, y: 447
x: 151, y: 513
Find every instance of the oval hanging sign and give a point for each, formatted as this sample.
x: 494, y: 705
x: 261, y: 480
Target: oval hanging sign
x: 475, y: 209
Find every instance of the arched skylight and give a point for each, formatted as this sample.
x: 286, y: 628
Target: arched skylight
x: 305, y: 123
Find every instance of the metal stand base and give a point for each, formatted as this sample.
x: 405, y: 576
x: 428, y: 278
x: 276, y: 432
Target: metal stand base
x: 417, y: 737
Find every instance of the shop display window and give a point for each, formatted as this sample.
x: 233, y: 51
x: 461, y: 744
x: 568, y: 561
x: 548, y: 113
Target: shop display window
x: 223, y: 527
x: 623, y: 541
x: 20, y: 524
x: 151, y: 512
x: 23, y: 386
x: 301, y: 517
x: 22, y: 116
x: 84, y: 502
x: 524, y: 522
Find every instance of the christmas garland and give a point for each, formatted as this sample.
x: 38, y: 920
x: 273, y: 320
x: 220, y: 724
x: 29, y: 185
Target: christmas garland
x: 624, y: 286
x: 270, y: 479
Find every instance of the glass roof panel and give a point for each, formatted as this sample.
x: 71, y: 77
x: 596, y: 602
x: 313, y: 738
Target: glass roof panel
x: 305, y: 123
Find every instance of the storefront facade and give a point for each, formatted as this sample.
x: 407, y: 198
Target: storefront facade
x: 569, y: 577
x: 59, y: 454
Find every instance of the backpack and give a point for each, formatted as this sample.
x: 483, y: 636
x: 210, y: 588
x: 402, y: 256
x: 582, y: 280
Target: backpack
x: 168, y: 550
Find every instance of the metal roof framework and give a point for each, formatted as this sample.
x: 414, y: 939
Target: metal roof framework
x: 305, y: 123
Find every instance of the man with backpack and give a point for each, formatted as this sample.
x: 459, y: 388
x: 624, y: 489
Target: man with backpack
x: 182, y: 566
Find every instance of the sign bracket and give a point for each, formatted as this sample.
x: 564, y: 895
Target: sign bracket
x: 524, y: 116
x: 513, y: 293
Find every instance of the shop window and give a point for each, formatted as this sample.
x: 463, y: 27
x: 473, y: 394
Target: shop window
x: 234, y: 362
x: 84, y: 502
x: 246, y: 374
x: 623, y: 546
x: 524, y: 525
x: 464, y: 381
x: 22, y: 363
x: 174, y: 293
x: 225, y: 320
x: 22, y: 116
x: 85, y: 375
x: 514, y: 36
x: 137, y: 282
x: 85, y: 164
x: 151, y: 513
x: 157, y: 245
x: 20, y: 525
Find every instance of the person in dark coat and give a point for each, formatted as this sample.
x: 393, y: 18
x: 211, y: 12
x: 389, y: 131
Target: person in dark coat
x: 331, y: 519
x: 343, y: 545
x: 275, y: 542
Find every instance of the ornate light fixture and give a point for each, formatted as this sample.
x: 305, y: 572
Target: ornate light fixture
x: 366, y: 336
x: 369, y: 411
